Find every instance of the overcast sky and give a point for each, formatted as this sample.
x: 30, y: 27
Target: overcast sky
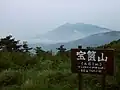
x: 27, y: 18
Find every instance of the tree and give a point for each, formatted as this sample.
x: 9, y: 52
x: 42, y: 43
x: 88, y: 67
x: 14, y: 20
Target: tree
x: 61, y: 49
x: 9, y: 44
x: 38, y: 51
x: 25, y: 47
x: 49, y: 52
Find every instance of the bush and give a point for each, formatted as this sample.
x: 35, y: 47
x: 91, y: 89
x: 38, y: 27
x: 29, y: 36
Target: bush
x: 5, y: 61
x: 24, y: 71
x: 10, y: 77
x: 12, y: 87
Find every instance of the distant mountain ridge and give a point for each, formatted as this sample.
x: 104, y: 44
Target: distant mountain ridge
x: 92, y: 40
x: 70, y: 32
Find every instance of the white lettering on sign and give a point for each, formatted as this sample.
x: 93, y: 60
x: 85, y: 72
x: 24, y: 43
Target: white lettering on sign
x: 78, y: 66
x: 99, y: 71
x: 86, y: 70
x: 102, y: 59
x: 96, y: 64
x: 85, y: 63
x: 80, y: 55
x: 93, y: 63
x: 82, y: 70
x: 89, y: 63
x: 81, y: 63
x: 91, y: 55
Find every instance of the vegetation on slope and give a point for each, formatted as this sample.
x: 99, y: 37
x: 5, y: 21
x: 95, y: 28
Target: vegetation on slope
x: 22, y: 70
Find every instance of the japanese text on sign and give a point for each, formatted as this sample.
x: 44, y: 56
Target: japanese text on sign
x: 92, y: 61
x: 91, y: 56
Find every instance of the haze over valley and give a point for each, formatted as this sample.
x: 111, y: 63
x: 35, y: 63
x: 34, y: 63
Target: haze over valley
x: 45, y: 23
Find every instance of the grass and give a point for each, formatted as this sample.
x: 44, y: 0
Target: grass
x: 20, y: 71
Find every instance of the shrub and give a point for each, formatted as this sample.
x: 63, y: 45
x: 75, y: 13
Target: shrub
x: 10, y: 77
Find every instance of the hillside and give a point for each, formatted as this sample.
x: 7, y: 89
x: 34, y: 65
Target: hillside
x: 69, y: 32
x: 92, y: 40
x: 24, y: 71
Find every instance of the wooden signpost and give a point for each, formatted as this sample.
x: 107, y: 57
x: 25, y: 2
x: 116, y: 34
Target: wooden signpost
x: 92, y: 61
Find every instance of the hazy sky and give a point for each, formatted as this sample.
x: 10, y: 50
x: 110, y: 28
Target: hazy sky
x: 26, y: 18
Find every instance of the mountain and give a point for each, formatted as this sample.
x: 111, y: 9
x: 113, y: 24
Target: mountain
x: 70, y: 32
x: 92, y: 40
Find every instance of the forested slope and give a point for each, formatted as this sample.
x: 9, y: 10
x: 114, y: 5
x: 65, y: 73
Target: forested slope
x: 22, y: 70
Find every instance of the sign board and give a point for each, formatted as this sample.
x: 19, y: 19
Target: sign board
x: 92, y: 61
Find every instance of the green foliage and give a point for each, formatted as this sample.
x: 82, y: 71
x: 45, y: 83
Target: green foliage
x: 10, y: 44
x: 61, y: 50
x: 23, y: 71
x: 10, y: 77
x: 25, y: 47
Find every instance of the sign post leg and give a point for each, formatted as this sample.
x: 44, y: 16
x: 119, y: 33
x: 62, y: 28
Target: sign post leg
x: 80, y: 81
x: 103, y: 82
x: 80, y: 75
